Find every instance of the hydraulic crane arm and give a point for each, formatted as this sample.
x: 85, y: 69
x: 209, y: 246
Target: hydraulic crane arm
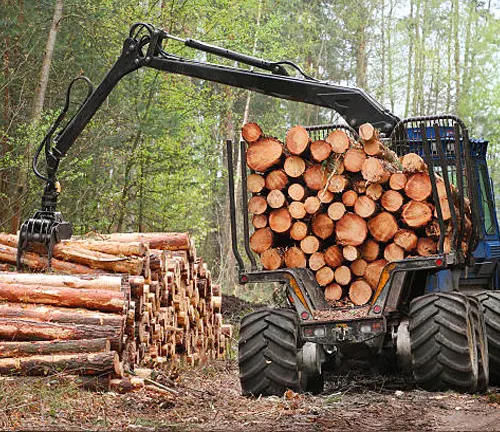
x: 144, y: 48
x: 353, y: 104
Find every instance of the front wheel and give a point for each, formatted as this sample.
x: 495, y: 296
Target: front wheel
x: 267, y: 353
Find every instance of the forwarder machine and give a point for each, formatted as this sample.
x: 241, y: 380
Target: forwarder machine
x: 438, y: 316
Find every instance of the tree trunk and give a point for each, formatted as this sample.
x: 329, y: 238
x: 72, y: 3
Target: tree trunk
x: 47, y: 61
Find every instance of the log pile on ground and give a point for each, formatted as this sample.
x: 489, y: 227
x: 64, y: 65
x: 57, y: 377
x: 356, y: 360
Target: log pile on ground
x: 344, y: 207
x: 117, y: 301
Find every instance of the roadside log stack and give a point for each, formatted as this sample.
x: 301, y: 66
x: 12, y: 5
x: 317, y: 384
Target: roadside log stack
x: 116, y: 301
x: 344, y: 207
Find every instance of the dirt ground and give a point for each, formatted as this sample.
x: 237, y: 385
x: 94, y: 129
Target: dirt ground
x: 208, y: 398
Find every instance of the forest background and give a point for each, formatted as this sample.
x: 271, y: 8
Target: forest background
x: 153, y: 157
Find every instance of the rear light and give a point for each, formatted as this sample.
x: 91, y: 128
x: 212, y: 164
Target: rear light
x: 244, y: 279
x: 377, y: 309
x: 304, y: 315
x: 439, y: 262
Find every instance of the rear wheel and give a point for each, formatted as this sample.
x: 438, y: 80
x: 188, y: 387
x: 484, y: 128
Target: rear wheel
x: 481, y: 343
x: 490, y: 301
x: 267, y: 352
x: 443, y: 342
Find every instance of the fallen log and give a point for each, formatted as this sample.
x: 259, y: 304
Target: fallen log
x: 23, y: 349
x: 80, y: 363
x: 106, y: 301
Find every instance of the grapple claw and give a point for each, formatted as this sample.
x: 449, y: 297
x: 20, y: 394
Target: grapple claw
x: 45, y: 227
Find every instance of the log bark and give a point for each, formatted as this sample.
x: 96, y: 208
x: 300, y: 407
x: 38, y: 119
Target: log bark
x: 276, y: 179
x: 23, y: 349
x: 257, y: 204
x: 315, y: 177
x: 343, y: 275
x: 105, y: 301
x: 34, y: 261
x: 280, y: 220
x: 298, y: 230
x: 339, y: 141
x: 324, y: 276
x: 156, y: 240
x: 354, y: 159
x: 25, y: 330
x: 364, y: 206
x: 320, y: 150
x: 297, y: 140
x: 360, y: 292
x: 81, y: 363
x: 296, y: 192
x: 99, y: 282
x: 108, y: 247
x: 264, y: 154
x: 261, y: 240
x: 336, y: 210
x: 383, y: 227
x: 418, y: 187
x: 294, y: 166
x: 416, y: 214
x: 271, y: 259
x: 255, y: 183
x: 392, y: 201
x: 60, y: 315
x: 333, y: 292
x: 251, y: 132
x: 322, y: 226
x: 333, y: 256
x: 294, y: 257
x: 351, y: 230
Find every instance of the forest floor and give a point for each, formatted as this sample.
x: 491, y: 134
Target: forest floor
x: 208, y: 398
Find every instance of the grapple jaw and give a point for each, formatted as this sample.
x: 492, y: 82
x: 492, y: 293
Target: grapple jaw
x: 45, y: 227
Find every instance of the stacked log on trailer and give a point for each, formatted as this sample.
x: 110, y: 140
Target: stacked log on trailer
x: 344, y: 207
x: 117, y: 301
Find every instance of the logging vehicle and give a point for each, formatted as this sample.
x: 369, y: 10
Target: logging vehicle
x: 438, y: 316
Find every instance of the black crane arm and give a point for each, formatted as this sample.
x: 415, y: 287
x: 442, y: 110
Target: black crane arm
x: 353, y: 104
x: 144, y: 48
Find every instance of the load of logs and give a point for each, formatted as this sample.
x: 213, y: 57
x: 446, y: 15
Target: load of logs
x: 344, y: 207
x: 117, y: 301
